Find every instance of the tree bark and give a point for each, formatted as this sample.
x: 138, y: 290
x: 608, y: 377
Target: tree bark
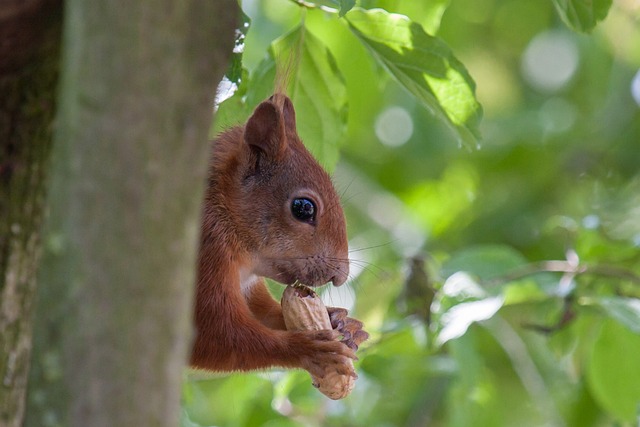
x: 128, y: 174
x: 29, y: 53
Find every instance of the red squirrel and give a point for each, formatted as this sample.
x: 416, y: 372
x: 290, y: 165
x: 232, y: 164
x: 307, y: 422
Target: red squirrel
x: 271, y: 211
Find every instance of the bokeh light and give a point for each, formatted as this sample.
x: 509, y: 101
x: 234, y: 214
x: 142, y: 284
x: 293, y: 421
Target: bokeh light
x: 550, y: 61
x: 557, y: 115
x: 635, y: 88
x: 394, y: 126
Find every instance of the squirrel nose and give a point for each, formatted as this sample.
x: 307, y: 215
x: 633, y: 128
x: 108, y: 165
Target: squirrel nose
x: 338, y: 280
x: 341, y: 275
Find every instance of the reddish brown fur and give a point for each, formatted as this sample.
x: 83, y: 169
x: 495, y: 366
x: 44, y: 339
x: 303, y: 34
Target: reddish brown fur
x: 248, y: 232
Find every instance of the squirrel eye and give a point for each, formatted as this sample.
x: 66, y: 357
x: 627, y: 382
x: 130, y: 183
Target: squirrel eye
x: 303, y: 209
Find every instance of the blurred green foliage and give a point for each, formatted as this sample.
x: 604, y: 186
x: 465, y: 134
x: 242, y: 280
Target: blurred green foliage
x: 500, y: 285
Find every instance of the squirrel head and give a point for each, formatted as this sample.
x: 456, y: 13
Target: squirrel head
x: 285, y: 211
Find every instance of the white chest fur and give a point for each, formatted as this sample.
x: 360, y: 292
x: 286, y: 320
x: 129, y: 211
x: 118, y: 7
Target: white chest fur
x: 247, y: 281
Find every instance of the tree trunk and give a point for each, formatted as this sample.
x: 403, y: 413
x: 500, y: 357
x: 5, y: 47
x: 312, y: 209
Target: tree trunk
x: 29, y: 52
x: 129, y: 164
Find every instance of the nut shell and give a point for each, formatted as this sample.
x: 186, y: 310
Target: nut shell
x: 303, y: 310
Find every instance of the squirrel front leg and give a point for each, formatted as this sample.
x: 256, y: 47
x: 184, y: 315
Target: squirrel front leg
x: 231, y: 338
x: 240, y: 343
x: 264, y: 308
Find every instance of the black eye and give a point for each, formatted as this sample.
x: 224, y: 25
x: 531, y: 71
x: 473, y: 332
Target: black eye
x: 303, y: 209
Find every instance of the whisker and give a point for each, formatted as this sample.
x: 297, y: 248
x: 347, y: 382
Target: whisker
x: 374, y: 246
x: 362, y: 263
x: 351, y: 197
x: 332, y: 296
x: 344, y: 191
x: 368, y: 270
x: 334, y: 206
x: 334, y: 260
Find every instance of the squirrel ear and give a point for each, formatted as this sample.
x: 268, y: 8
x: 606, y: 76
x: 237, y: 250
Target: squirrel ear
x: 265, y: 130
x: 288, y: 111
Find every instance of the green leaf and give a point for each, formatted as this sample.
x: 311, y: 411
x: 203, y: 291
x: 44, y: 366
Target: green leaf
x: 232, y: 110
x: 443, y: 204
x: 474, y: 399
x: 427, y: 13
x: 614, y: 372
x: 432, y: 16
x: 424, y: 65
x: 485, y: 262
x: 625, y: 310
x: 197, y: 395
x: 458, y: 318
x: 318, y: 92
x: 582, y: 15
x: 344, y: 6
x: 235, y: 70
x: 315, y: 85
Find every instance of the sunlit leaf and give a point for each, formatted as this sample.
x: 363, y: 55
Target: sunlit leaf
x: 457, y: 319
x: 462, y: 286
x: 614, y: 371
x: 234, y: 72
x: 231, y: 110
x: 234, y: 83
x: 424, y: 65
x: 582, y: 15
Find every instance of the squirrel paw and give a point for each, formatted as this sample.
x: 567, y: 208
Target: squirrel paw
x: 322, y: 353
x: 350, y: 329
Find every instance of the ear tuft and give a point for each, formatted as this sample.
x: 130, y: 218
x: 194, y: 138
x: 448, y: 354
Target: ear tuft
x: 285, y: 105
x: 265, y: 130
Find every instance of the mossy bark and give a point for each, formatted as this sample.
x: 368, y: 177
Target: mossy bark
x: 113, y: 323
x: 29, y: 53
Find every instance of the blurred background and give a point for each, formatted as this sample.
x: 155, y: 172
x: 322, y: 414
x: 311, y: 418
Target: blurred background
x: 528, y: 245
